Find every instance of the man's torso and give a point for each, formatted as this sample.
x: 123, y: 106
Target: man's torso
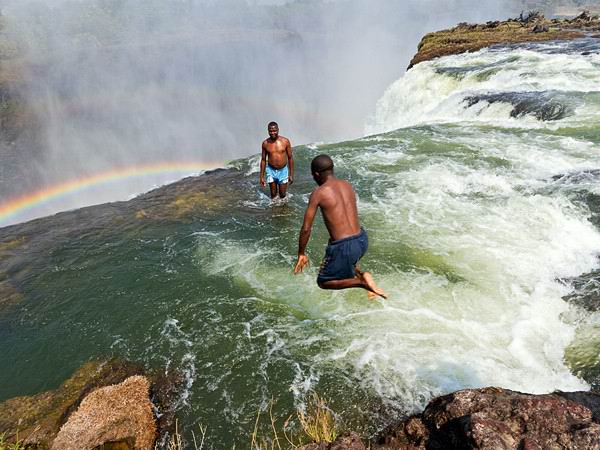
x: 276, y: 152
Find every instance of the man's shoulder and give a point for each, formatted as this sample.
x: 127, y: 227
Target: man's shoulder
x: 338, y: 186
x: 317, y: 193
x: 284, y: 139
x: 324, y: 190
x: 346, y: 184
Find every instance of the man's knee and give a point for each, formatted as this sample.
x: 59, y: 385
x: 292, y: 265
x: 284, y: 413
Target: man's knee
x: 320, y: 282
x: 323, y: 284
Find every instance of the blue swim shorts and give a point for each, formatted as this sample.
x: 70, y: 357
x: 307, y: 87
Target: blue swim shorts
x: 341, y: 257
x: 279, y: 176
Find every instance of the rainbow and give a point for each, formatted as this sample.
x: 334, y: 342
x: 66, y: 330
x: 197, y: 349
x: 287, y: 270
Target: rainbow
x: 19, y: 204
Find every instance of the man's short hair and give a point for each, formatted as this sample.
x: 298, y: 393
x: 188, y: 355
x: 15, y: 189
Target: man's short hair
x: 273, y: 124
x: 321, y: 163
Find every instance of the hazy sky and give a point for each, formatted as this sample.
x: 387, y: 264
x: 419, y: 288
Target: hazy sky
x: 126, y: 82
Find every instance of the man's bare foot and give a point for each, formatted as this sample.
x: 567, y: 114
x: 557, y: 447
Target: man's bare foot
x: 370, y: 285
x: 359, y: 274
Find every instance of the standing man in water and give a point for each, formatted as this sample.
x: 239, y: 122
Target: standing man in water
x: 348, y: 241
x: 275, y: 159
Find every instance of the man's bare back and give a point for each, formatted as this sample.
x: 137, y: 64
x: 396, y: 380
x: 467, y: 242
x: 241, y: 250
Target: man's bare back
x: 348, y: 240
x: 337, y: 201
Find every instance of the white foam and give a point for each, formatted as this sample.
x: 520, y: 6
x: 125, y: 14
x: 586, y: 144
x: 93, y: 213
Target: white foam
x: 424, y: 95
x: 470, y: 231
x: 502, y: 324
x: 180, y: 345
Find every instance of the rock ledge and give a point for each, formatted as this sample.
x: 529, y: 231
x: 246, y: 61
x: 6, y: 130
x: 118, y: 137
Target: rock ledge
x: 527, y: 28
x: 501, y: 419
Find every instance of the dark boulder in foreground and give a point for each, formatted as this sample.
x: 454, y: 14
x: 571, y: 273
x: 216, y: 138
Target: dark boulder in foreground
x: 493, y: 418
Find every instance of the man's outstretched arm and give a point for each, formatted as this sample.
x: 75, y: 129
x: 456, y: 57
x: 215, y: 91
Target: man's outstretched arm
x: 309, y: 216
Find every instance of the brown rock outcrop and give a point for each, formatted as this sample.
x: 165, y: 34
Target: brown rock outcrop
x: 493, y: 418
x: 112, y: 414
x: 39, y: 417
x: 529, y: 28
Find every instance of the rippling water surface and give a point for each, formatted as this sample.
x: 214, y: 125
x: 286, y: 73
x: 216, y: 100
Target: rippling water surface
x: 479, y: 187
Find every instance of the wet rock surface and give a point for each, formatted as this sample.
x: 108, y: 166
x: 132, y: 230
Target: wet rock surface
x: 25, y: 248
x: 108, y: 404
x: 493, y: 418
x: 120, y: 413
x: 38, y: 418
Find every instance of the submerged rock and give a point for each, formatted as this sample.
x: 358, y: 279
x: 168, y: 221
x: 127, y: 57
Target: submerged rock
x: 494, y: 418
x: 547, y: 106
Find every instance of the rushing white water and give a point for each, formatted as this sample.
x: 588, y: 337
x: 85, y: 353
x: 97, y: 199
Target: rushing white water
x: 471, y: 252
x: 482, y: 208
x: 470, y: 233
x: 446, y: 89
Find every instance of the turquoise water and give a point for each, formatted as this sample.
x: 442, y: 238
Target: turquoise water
x: 482, y: 224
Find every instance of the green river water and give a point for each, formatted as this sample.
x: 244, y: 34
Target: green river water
x: 479, y: 187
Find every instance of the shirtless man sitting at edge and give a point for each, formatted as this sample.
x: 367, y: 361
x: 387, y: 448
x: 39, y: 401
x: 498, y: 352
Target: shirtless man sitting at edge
x: 275, y: 158
x: 348, y: 241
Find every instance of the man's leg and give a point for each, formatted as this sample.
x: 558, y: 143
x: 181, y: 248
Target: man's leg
x: 362, y: 280
x: 343, y: 284
x: 339, y: 263
x: 282, y: 190
x: 273, y: 187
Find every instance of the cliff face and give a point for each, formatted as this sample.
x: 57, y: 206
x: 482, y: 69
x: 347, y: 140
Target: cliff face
x: 526, y: 28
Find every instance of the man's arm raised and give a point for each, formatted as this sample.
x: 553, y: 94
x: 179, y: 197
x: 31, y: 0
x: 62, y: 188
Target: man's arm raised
x: 309, y: 216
